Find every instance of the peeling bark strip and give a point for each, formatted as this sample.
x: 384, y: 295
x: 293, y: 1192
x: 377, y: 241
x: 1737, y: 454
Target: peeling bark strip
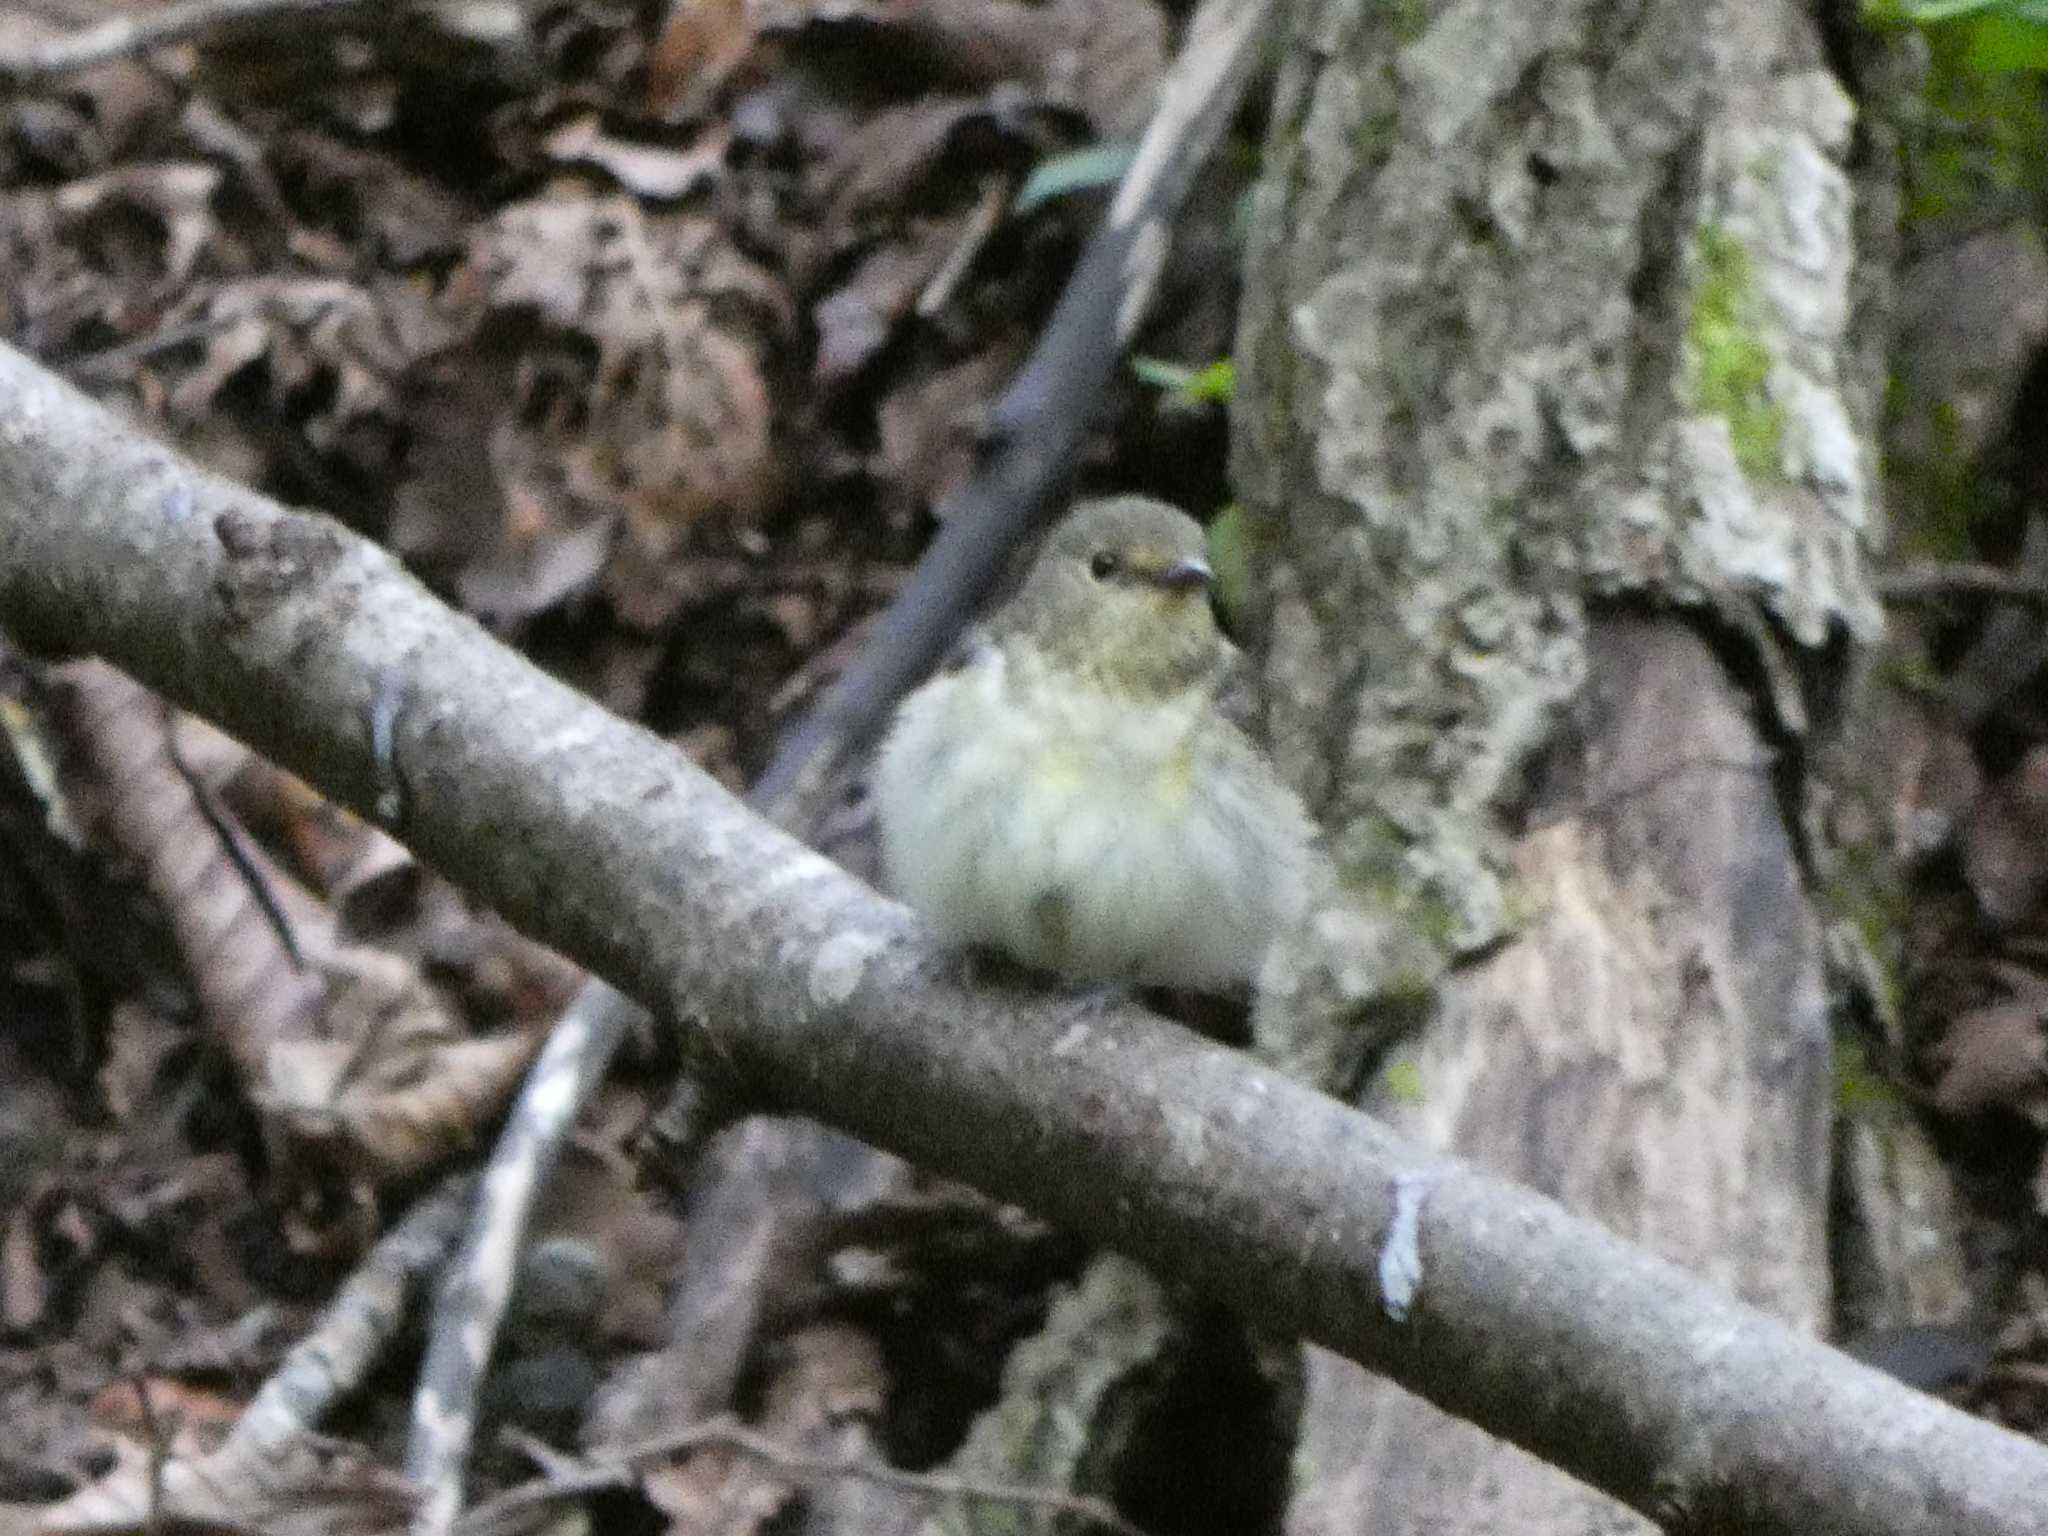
x: 591, y: 833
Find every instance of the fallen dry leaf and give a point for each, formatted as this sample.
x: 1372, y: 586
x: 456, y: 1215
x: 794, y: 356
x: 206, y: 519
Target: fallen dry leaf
x: 1994, y: 1056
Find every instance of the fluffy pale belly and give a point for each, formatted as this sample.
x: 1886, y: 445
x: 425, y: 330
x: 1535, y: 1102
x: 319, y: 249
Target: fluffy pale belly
x: 1097, y: 854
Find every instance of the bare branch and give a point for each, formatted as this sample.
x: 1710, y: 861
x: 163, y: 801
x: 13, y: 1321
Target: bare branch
x: 1312, y: 1218
x: 1937, y: 582
x: 478, y: 1287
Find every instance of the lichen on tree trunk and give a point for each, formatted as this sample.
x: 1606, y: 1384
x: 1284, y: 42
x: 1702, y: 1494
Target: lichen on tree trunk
x: 1554, y: 432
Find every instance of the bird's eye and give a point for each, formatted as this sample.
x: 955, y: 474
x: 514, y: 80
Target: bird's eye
x: 1103, y: 564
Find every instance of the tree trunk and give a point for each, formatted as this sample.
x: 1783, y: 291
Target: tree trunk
x: 1555, y: 422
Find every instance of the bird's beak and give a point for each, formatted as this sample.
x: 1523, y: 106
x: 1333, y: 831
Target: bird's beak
x: 1186, y: 576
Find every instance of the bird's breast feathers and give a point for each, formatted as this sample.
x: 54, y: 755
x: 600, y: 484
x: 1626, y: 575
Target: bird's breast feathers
x: 1090, y: 835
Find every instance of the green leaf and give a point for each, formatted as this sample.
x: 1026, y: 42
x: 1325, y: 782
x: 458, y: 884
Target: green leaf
x: 1078, y: 170
x: 1212, y: 385
x: 1989, y: 37
x: 1403, y: 1082
x: 2006, y: 43
x: 1161, y: 374
x: 1229, y: 538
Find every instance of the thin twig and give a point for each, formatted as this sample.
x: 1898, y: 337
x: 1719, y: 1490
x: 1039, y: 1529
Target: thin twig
x: 116, y: 358
x: 983, y: 222
x: 274, y: 1455
x: 478, y: 1287
x: 123, y: 37
x: 1938, y: 581
x: 361, y: 1320
x: 221, y: 824
x: 938, y: 1485
x: 2009, y: 648
x: 613, y: 1466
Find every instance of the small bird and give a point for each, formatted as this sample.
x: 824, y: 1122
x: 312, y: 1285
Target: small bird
x: 1072, y: 792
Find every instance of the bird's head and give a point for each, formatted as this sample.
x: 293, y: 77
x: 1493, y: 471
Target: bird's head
x: 1119, y: 593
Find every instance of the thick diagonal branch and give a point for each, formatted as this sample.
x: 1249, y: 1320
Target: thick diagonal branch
x: 595, y: 836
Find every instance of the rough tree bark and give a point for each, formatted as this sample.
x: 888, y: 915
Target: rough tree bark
x: 1555, y: 416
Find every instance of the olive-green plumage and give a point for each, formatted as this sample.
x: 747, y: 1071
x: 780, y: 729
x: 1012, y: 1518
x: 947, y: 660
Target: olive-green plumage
x: 1075, y: 793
